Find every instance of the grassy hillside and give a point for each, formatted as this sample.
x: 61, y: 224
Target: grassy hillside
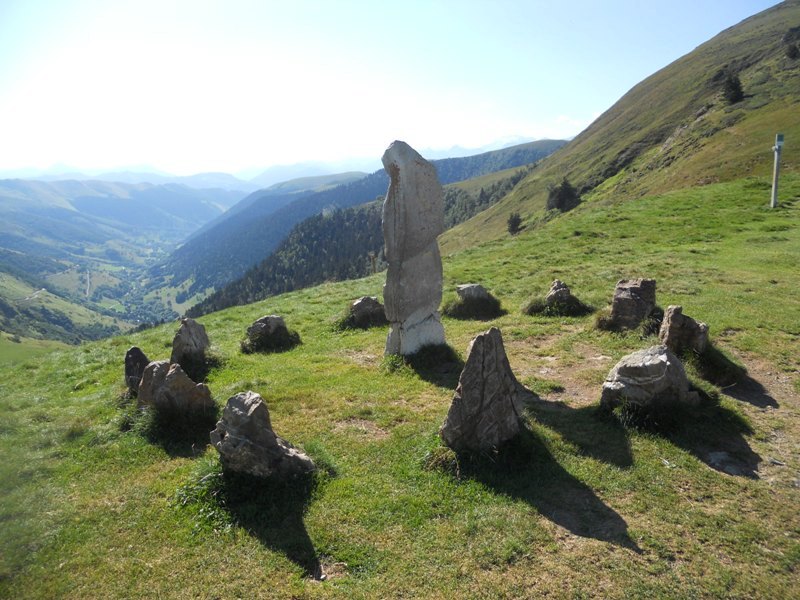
x: 675, y: 129
x: 586, y: 508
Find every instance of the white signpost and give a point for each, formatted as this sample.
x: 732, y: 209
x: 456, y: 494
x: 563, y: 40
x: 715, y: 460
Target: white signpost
x: 777, y: 149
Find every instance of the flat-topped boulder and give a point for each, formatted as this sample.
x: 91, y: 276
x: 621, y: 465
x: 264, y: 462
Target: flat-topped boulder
x: 680, y: 332
x: 653, y: 378
x: 486, y: 407
x: 247, y: 444
x: 165, y: 387
x: 190, y: 344
x: 472, y: 291
x: 413, y: 217
x: 135, y: 363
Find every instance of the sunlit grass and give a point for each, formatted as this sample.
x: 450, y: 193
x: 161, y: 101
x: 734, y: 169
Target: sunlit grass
x: 581, y: 506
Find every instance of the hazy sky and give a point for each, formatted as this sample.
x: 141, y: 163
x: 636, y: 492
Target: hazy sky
x: 229, y: 85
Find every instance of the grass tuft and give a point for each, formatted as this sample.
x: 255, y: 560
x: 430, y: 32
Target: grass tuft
x: 481, y: 309
x: 571, y: 308
x: 279, y: 341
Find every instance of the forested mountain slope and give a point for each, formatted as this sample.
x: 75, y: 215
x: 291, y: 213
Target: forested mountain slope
x: 225, y: 252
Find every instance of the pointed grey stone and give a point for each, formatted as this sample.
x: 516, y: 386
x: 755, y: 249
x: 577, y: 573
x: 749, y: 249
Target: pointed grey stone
x: 486, y: 407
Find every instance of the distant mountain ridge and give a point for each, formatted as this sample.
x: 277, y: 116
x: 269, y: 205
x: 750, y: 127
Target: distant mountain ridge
x: 244, y: 237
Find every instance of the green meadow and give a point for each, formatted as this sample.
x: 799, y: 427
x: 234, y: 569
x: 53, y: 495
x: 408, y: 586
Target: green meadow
x: 579, y: 506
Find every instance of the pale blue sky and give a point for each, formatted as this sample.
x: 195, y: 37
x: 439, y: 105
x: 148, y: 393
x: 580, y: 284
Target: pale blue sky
x: 191, y: 86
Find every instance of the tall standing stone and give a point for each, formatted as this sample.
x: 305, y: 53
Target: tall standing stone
x: 413, y: 217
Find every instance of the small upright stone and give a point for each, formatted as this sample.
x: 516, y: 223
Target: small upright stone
x: 680, y: 332
x: 247, y: 444
x: 650, y: 378
x: 166, y: 387
x: 413, y: 216
x: 485, y: 411
x: 559, y: 293
x: 634, y: 300
x: 190, y: 344
x: 135, y: 363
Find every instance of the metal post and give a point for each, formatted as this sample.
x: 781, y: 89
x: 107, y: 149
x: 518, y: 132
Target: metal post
x: 776, y: 169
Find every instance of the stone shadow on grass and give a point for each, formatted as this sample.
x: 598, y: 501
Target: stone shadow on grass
x: 273, y: 511
x: 714, y: 366
x: 590, y: 429
x: 440, y: 365
x: 716, y: 436
x: 525, y: 469
x: 181, y: 434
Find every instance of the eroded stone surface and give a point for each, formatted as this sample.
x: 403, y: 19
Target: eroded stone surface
x: 649, y: 378
x: 680, y: 332
x: 413, y: 216
x: 634, y: 300
x: 247, y: 444
x: 485, y: 411
x: 190, y: 343
x: 135, y: 363
x: 165, y: 386
x: 559, y: 294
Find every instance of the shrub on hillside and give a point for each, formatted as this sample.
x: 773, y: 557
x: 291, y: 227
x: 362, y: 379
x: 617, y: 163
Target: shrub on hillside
x: 514, y: 223
x: 732, y: 89
x: 563, y: 197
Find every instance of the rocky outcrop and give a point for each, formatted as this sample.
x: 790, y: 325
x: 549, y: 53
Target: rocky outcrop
x: 486, y: 407
x: 650, y: 378
x: 413, y: 216
x: 190, y: 344
x: 135, y: 363
x: 269, y: 334
x: 634, y: 300
x: 247, y: 444
x: 166, y: 387
x: 680, y: 332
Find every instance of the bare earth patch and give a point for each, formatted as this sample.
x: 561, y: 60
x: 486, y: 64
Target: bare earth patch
x: 362, y: 427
